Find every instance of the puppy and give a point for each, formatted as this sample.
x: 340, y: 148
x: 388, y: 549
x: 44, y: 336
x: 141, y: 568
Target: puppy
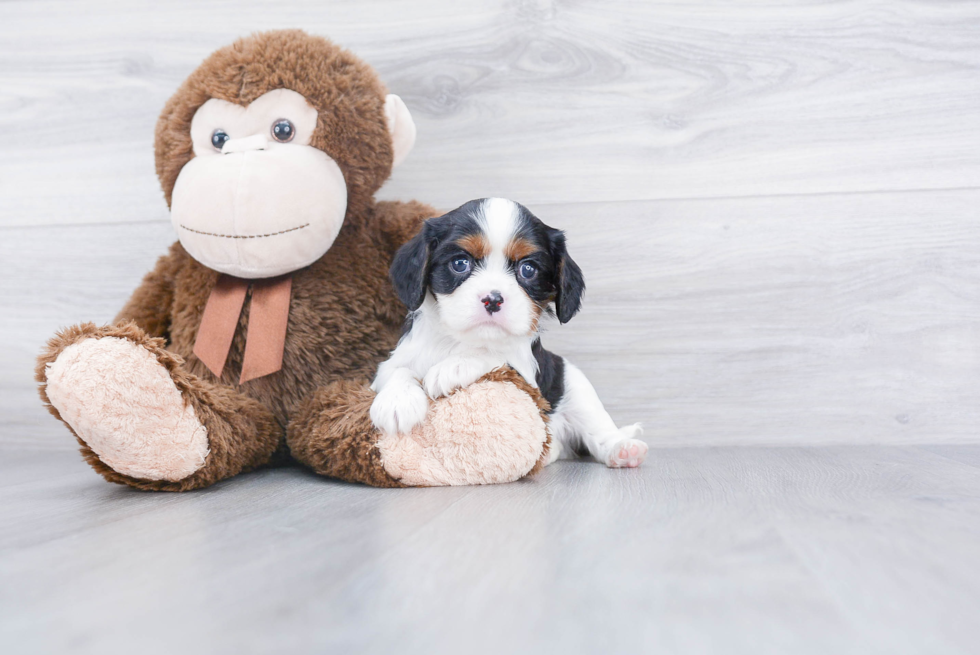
x: 477, y: 281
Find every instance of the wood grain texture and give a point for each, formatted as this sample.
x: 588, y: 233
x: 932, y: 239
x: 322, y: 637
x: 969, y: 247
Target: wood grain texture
x: 780, y: 320
x: 724, y: 550
x: 539, y: 101
x: 776, y: 208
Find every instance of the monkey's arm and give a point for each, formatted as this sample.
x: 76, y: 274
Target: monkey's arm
x: 150, y: 305
x: 399, y: 221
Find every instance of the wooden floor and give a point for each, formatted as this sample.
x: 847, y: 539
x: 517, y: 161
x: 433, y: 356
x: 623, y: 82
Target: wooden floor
x: 777, y: 209
x: 833, y: 549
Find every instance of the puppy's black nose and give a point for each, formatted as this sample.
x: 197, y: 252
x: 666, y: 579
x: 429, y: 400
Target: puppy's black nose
x: 492, y: 301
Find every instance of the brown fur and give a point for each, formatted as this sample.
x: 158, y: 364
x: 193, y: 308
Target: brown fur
x: 519, y: 248
x: 344, y: 317
x: 475, y: 244
x: 345, y: 91
x: 332, y: 433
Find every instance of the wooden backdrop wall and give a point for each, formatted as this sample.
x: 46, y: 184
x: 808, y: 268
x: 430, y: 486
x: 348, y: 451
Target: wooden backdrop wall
x: 776, y: 207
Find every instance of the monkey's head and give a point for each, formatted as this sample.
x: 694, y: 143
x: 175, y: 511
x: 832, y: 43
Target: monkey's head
x: 269, y: 144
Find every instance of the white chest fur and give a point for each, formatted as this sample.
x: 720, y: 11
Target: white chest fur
x: 429, y: 342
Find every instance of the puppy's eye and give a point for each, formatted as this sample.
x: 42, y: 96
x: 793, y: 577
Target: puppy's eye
x: 218, y: 138
x: 460, y: 264
x: 528, y: 270
x: 283, y: 130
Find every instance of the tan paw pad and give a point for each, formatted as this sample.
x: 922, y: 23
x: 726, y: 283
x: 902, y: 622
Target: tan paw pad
x: 488, y: 433
x: 123, y: 404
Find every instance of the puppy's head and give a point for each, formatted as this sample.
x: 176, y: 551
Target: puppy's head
x: 492, y: 268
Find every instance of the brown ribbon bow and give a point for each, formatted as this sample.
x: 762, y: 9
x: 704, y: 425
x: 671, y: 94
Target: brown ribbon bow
x: 267, y: 319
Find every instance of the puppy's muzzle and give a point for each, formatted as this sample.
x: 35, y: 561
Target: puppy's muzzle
x: 492, y: 302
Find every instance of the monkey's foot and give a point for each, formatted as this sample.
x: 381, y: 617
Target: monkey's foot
x: 124, y: 405
x: 490, y: 432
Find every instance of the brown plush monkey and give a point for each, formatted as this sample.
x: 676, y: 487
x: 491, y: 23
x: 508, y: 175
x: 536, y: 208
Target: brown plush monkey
x: 256, y: 336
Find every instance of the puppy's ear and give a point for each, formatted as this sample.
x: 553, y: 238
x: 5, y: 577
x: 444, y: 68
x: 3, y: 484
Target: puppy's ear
x: 409, y: 271
x: 569, y: 283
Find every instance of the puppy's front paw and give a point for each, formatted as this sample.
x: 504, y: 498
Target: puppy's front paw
x: 455, y: 373
x: 399, y: 407
x: 629, y: 452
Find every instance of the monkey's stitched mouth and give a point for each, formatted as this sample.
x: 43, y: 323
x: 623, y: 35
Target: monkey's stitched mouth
x: 244, y: 236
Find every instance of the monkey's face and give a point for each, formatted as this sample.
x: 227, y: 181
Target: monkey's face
x: 257, y: 200
x: 268, y: 144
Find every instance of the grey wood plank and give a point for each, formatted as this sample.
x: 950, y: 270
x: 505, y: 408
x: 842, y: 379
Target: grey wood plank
x: 542, y: 101
x: 732, y: 550
x: 784, y: 320
x: 965, y: 454
x: 781, y: 320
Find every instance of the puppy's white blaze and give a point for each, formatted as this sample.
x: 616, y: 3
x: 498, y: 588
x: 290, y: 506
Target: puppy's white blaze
x: 463, y: 311
x: 499, y: 219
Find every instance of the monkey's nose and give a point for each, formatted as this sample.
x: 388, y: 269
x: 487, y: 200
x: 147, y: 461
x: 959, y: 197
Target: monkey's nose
x: 254, y: 142
x: 492, y: 302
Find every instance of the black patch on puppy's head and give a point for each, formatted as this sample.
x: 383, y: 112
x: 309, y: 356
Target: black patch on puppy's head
x: 409, y: 270
x: 559, y: 277
x: 461, y: 230
x: 423, y: 262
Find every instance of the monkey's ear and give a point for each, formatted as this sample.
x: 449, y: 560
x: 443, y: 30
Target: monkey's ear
x: 569, y: 282
x: 401, y: 126
x: 410, y: 268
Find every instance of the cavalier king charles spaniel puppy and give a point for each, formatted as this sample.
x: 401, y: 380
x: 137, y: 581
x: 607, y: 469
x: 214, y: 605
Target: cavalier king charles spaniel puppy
x: 477, y: 282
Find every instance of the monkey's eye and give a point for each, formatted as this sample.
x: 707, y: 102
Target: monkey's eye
x: 528, y: 270
x: 283, y: 130
x: 218, y: 138
x: 460, y: 264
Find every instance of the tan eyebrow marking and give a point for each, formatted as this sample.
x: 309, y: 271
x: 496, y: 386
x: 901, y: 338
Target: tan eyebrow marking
x: 475, y: 244
x: 519, y: 248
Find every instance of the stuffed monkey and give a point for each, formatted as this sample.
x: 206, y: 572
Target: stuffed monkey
x: 255, y: 337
